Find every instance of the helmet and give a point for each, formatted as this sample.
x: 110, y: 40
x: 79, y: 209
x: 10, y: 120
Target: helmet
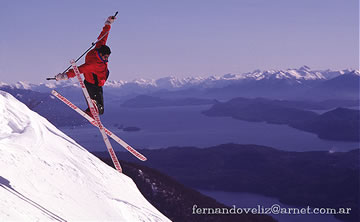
x: 105, y: 50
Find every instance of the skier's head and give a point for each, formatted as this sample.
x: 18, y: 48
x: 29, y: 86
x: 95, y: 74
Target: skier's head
x: 104, y: 52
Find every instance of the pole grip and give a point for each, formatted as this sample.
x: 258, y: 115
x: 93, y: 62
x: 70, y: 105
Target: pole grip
x: 51, y: 78
x: 115, y: 15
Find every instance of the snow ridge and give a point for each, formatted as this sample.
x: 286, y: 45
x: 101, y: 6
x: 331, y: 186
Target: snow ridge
x: 299, y: 75
x: 49, y: 176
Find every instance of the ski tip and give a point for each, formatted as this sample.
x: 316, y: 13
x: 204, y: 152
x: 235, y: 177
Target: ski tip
x: 136, y: 153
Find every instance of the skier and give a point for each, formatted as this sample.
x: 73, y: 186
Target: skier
x: 95, y: 68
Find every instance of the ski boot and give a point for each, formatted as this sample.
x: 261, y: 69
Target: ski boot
x: 87, y: 111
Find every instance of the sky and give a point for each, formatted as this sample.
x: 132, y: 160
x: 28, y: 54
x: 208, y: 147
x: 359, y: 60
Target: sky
x: 157, y: 38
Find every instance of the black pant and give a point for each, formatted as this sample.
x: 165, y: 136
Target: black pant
x: 96, y: 93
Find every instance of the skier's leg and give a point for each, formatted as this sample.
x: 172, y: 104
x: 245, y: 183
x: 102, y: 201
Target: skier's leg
x: 92, y: 91
x: 96, y: 94
x: 100, y: 101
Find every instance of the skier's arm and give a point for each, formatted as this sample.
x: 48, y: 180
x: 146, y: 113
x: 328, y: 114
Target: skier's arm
x: 83, y: 68
x: 105, y: 32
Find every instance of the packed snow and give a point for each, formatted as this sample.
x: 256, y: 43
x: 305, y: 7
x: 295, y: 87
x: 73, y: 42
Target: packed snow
x: 45, y: 175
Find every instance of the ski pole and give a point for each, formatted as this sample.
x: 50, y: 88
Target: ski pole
x: 92, y: 45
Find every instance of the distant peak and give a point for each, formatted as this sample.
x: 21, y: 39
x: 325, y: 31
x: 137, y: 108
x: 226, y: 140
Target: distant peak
x: 2, y: 84
x: 229, y: 75
x: 304, y: 67
x: 356, y: 72
x: 23, y: 85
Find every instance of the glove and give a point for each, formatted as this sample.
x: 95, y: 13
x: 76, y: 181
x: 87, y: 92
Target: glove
x: 110, y: 20
x: 61, y: 76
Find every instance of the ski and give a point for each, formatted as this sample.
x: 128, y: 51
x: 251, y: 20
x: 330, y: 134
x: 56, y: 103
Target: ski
x: 93, y: 122
x: 96, y: 118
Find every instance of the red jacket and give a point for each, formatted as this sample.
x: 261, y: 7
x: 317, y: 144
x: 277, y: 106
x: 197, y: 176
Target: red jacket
x: 95, y: 70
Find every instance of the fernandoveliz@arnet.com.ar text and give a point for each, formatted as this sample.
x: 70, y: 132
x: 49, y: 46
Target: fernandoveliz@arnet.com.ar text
x: 274, y: 209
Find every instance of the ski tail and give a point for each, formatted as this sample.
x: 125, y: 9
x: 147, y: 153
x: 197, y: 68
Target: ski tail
x: 96, y: 118
x: 93, y: 122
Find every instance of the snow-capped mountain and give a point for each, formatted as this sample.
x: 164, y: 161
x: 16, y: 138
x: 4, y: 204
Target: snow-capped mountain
x: 304, y: 73
x: 280, y: 84
x: 172, y: 83
x: 330, y: 74
x: 47, y: 176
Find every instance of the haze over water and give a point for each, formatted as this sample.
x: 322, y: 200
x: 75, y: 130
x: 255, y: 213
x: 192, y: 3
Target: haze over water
x: 186, y: 126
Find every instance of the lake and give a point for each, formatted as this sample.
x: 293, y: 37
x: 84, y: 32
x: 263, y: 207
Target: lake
x: 185, y: 126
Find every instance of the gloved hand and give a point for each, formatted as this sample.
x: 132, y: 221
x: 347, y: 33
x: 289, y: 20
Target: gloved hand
x: 61, y: 76
x: 110, y: 20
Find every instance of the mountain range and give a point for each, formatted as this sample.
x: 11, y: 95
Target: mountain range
x: 303, y: 82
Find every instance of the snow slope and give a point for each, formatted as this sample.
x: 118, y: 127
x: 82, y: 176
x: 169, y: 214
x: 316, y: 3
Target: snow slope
x: 45, y: 175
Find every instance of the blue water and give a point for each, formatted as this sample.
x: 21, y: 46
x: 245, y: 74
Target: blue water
x: 186, y: 126
x: 249, y: 200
